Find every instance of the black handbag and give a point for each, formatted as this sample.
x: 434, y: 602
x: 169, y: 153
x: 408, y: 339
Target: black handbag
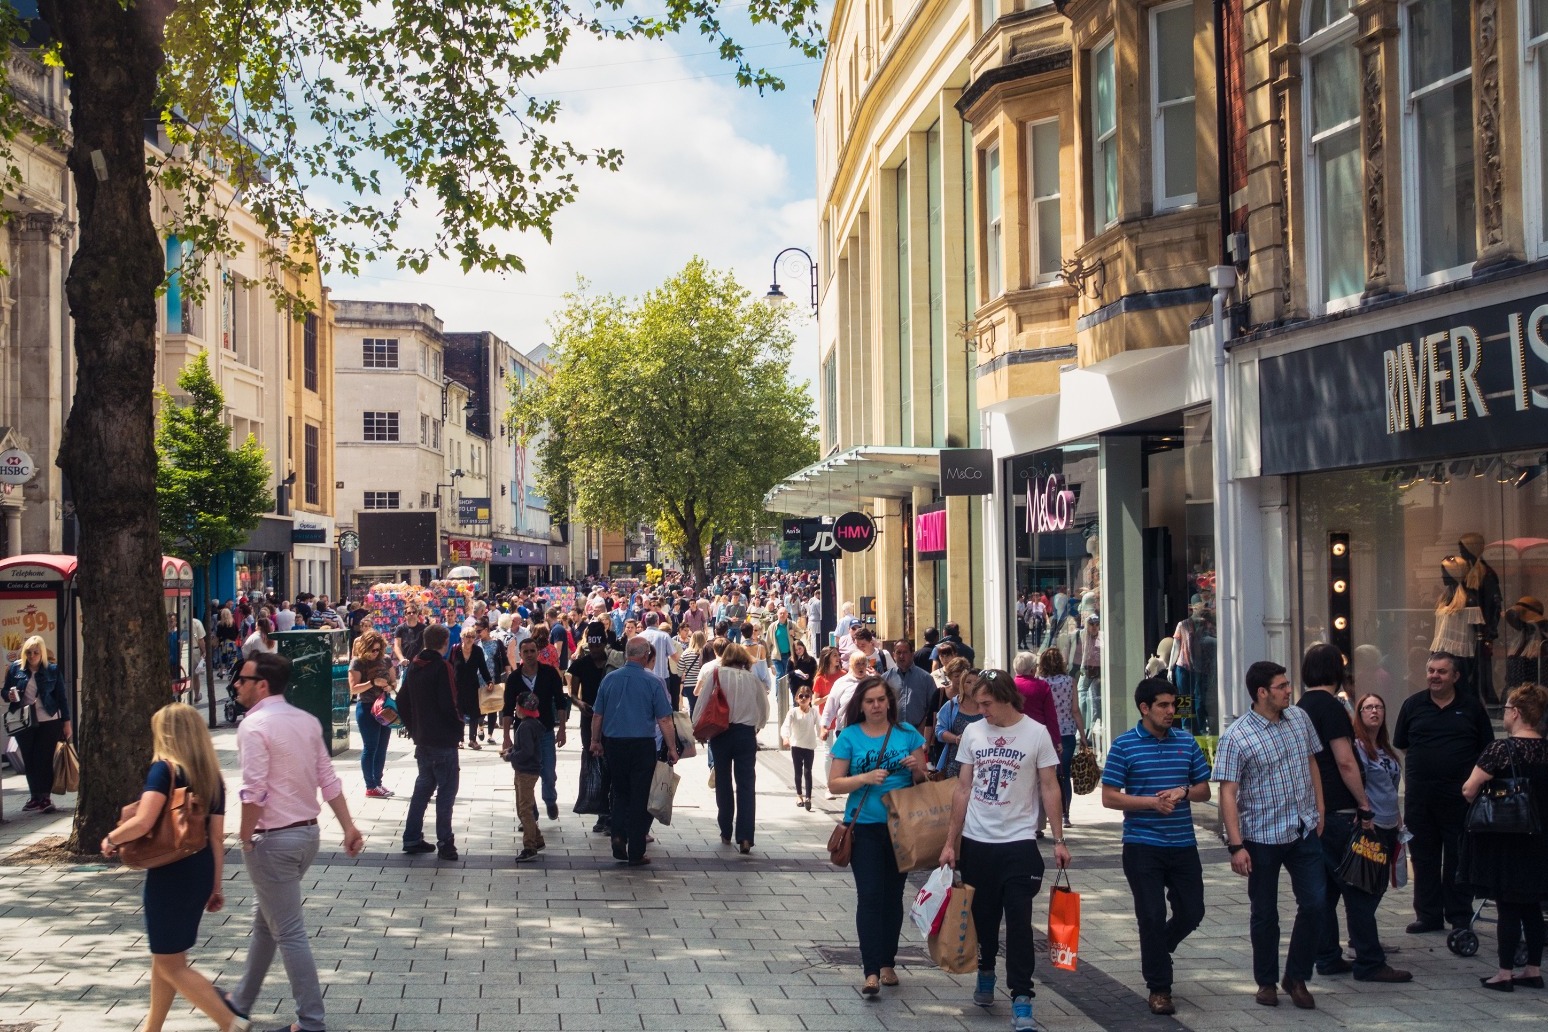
x: 1505, y: 806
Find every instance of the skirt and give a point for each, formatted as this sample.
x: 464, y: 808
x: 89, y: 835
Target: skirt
x: 175, y: 896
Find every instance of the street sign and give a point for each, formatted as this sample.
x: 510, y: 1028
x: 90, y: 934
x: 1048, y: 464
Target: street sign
x: 854, y: 531
x: 967, y: 471
x: 16, y: 467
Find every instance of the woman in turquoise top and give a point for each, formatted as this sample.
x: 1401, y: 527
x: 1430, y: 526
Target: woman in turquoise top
x: 873, y: 755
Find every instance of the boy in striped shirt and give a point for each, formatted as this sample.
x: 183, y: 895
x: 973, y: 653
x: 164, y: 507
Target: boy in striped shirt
x: 1153, y: 772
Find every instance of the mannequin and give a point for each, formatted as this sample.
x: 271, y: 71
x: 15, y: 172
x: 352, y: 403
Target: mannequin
x: 1193, y: 661
x: 1529, y: 628
x: 1482, y: 580
x: 1458, y: 618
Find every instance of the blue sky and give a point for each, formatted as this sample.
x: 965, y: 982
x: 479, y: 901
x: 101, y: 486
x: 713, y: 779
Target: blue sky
x: 710, y: 169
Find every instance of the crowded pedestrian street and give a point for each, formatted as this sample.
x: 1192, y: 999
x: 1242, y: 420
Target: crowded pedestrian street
x: 703, y: 938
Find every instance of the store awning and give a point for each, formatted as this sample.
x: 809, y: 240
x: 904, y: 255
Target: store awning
x: 850, y: 479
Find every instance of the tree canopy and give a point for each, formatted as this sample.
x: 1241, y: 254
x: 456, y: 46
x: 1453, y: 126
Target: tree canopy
x: 674, y: 409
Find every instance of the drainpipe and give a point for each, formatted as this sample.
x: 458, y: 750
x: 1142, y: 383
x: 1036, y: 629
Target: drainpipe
x: 1222, y: 139
x: 1222, y: 280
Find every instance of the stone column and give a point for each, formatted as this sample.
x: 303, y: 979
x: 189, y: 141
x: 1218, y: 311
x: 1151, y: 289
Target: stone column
x: 1498, y: 129
x: 1380, y: 133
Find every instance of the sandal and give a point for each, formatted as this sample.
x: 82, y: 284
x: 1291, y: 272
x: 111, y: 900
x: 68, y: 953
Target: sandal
x: 889, y: 977
x: 872, y: 988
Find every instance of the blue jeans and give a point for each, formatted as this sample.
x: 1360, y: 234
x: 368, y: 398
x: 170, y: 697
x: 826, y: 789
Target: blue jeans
x: 438, y: 774
x: 374, y: 737
x: 735, y: 791
x: 548, y: 755
x: 1090, y: 694
x: 1360, y: 906
x: 879, y: 890
x: 1303, y: 860
x: 1067, y: 753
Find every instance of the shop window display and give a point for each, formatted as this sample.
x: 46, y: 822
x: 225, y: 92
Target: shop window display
x: 1449, y: 556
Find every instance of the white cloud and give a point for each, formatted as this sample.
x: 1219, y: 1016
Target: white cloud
x: 697, y: 179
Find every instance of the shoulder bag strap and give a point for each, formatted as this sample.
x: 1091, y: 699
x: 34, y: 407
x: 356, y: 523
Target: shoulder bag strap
x: 881, y: 755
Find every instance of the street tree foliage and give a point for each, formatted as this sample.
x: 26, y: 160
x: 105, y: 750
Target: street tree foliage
x: 210, y: 495
x: 338, y: 119
x: 675, y: 410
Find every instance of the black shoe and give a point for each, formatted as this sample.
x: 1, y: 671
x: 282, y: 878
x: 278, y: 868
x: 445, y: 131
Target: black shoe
x: 1530, y: 981
x: 553, y: 811
x: 446, y: 852
x: 1508, y: 986
x: 620, y: 848
x: 1420, y: 927
x: 641, y: 862
x: 599, y: 828
x: 418, y: 847
x: 526, y: 856
x: 1337, y: 967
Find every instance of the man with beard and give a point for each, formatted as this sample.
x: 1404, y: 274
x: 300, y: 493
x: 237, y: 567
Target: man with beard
x: 1153, y: 773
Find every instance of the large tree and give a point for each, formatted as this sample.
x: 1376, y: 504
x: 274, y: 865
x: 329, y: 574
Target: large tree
x: 675, y: 409
x: 210, y: 495
x: 392, y: 107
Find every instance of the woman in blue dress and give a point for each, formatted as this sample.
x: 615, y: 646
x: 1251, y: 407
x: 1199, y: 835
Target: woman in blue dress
x: 178, y: 894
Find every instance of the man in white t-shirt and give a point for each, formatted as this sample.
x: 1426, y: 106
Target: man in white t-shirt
x: 1007, y: 782
x: 285, y: 617
x: 665, y: 645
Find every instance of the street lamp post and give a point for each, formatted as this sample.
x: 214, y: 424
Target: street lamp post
x: 776, y: 294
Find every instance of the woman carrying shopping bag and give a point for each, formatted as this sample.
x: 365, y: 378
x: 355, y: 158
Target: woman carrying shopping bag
x: 736, y: 748
x: 179, y: 893
x: 993, y: 838
x: 39, y: 701
x: 873, y: 755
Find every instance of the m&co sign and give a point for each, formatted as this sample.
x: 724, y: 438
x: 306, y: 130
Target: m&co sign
x: 1050, y: 504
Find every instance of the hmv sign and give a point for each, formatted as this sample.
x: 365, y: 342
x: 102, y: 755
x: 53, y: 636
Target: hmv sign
x: 854, y: 532
x: 967, y: 471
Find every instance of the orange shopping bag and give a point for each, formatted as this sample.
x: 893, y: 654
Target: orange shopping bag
x: 1063, y: 924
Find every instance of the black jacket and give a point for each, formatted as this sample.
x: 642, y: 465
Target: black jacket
x: 549, y: 688
x: 427, y: 703
x: 471, y: 671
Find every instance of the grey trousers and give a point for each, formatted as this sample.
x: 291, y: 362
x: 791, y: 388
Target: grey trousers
x: 276, y: 865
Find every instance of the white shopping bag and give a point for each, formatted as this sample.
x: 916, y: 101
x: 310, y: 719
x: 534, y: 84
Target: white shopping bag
x: 931, y: 901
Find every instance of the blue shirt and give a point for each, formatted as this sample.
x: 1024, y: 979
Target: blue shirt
x: 630, y: 700
x: 1141, y: 764
x: 861, y: 750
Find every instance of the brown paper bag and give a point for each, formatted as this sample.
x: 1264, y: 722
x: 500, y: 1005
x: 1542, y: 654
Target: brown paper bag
x: 67, y: 769
x: 954, y: 948
x: 918, y: 819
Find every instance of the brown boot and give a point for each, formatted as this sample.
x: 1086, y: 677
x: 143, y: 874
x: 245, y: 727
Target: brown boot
x: 1299, y: 994
x: 1267, y: 996
x: 1161, y: 1003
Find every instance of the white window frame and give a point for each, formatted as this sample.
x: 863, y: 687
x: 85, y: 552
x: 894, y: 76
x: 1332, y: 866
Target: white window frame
x: 1534, y: 63
x: 1100, y: 143
x: 994, y: 223
x: 389, y: 425
x: 1035, y: 206
x: 382, y: 500
x: 1339, y: 33
x: 1164, y: 202
x: 1411, y: 158
x: 379, y: 353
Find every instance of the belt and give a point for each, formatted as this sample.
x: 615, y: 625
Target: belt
x: 287, y: 827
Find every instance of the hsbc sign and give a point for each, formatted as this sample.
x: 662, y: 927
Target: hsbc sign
x: 967, y: 471
x: 16, y: 467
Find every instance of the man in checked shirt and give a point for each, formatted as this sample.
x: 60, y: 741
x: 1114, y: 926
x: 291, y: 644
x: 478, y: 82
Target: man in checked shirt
x: 284, y: 766
x: 1272, y: 809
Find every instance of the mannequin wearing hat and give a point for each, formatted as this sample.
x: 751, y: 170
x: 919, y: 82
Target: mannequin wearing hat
x: 1524, y: 662
x: 1458, y: 622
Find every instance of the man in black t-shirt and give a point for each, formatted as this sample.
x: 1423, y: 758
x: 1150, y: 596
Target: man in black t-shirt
x: 553, y: 713
x: 586, y: 675
x: 1442, y: 733
x: 1348, y: 810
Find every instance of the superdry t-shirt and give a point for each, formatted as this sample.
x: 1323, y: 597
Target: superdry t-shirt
x: 1006, y: 804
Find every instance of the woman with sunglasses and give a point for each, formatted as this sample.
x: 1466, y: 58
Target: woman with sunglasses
x: 871, y: 756
x: 370, y: 678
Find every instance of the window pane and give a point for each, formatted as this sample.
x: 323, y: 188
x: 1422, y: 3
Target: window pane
x: 1045, y: 158
x: 1542, y: 135
x: 1181, y: 156
x: 1322, y: 13
x: 1108, y: 195
x: 1447, y: 221
x: 1174, y: 53
x: 1539, y: 17
x: 1340, y: 227
x: 992, y: 184
x: 1335, y: 96
x: 1049, y: 240
x: 1103, y: 103
x: 1441, y: 40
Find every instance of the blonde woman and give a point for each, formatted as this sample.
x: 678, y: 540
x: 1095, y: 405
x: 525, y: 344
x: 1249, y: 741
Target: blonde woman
x: 34, y: 685
x: 177, y: 895
x: 370, y: 678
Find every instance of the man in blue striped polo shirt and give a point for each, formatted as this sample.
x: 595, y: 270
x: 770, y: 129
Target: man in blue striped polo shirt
x: 1152, y: 773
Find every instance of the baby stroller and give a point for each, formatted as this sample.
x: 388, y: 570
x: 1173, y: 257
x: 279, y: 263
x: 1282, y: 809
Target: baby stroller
x: 233, y: 710
x: 1464, y: 941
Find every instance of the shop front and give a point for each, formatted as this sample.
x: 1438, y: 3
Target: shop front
x: 467, y: 551
x: 1415, y: 452
x: 311, y: 549
x: 260, y: 565
x: 517, y: 564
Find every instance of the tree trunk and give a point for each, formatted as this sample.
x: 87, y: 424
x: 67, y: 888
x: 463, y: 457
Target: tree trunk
x: 693, y: 555
x: 113, y: 56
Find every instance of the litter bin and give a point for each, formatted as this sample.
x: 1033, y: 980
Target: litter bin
x: 319, y: 680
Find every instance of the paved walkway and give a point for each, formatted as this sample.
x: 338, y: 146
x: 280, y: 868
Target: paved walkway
x: 703, y: 939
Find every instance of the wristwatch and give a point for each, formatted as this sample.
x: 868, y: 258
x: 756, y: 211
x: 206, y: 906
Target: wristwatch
x: 1236, y: 848
x: 1058, y: 842
x: 1365, y: 815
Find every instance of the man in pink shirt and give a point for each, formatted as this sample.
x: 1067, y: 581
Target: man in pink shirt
x: 284, y: 767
